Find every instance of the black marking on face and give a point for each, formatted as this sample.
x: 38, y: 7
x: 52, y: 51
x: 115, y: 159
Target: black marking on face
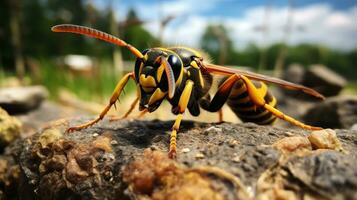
x: 176, y: 65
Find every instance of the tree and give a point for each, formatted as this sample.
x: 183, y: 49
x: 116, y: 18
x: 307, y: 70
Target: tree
x: 217, y: 43
x: 15, y: 12
x: 137, y: 36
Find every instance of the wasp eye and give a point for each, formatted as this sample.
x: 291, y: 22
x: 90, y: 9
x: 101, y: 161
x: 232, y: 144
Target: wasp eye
x: 145, y: 51
x: 174, y: 61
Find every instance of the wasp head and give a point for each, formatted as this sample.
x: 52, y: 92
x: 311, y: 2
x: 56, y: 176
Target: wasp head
x: 156, y: 75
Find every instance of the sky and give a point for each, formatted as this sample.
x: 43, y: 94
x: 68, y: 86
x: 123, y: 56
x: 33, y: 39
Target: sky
x: 332, y: 23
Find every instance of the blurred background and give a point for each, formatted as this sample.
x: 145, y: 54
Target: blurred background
x: 311, y: 42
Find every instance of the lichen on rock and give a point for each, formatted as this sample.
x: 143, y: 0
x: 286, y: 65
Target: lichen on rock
x: 10, y: 128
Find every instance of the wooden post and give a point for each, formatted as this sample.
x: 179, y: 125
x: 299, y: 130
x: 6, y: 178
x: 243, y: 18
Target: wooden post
x: 15, y: 9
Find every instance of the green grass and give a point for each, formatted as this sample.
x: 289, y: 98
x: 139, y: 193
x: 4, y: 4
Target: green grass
x: 97, y: 87
x: 351, y: 88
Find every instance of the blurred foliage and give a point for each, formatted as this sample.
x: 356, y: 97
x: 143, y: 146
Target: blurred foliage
x: 40, y: 44
x: 37, y: 18
x: 344, y: 63
x: 57, y: 78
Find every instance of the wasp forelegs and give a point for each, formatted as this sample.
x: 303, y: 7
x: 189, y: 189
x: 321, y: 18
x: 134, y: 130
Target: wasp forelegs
x: 116, y: 93
x: 259, y: 101
x: 132, y: 106
x: 182, y: 105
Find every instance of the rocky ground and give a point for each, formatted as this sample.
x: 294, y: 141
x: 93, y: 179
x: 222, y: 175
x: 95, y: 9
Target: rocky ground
x: 127, y: 160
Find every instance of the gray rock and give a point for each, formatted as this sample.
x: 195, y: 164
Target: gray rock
x: 22, y: 99
x: 324, y: 80
x: 294, y: 73
x: 354, y: 127
x: 321, y: 175
x: 89, y: 165
x: 335, y: 112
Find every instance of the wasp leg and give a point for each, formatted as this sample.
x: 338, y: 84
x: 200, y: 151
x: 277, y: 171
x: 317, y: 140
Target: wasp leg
x: 117, y: 91
x: 141, y: 115
x: 258, y: 100
x: 132, y: 106
x: 220, y: 97
x: 182, y: 105
x: 220, y: 115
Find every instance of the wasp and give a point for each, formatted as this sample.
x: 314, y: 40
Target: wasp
x: 181, y: 76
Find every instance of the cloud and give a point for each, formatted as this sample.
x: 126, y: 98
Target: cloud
x: 316, y: 23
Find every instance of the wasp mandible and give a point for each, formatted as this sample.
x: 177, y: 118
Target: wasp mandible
x: 181, y: 76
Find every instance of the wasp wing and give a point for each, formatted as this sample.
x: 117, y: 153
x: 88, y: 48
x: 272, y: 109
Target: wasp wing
x: 217, y: 69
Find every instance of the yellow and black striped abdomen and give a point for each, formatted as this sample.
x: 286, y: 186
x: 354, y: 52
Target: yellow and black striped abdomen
x: 244, y: 108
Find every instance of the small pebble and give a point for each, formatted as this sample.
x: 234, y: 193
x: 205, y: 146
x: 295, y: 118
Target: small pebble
x: 325, y: 139
x: 154, y: 147
x: 108, y: 157
x: 250, y: 191
x: 199, y: 156
x: 289, y: 133
x: 185, y: 150
x: 354, y: 127
x: 233, y: 143
x: 95, y: 134
x: 236, y: 159
x: 212, y: 128
x: 113, y: 142
x: 293, y: 143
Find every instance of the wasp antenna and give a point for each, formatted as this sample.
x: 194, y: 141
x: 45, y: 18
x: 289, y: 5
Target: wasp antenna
x: 82, y: 30
x: 170, y: 77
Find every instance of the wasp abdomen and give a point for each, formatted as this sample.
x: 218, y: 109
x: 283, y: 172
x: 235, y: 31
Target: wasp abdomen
x: 244, y: 107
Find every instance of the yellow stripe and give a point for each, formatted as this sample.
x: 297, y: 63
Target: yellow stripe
x: 148, y: 81
x: 273, y: 102
x: 202, y: 82
x: 194, y: 64
x: 263, y: 89
x: 158, y: 95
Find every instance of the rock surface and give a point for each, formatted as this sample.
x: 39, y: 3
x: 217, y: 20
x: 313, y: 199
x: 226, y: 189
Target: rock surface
x: 294, y: 73
x: 215, y: 161
x: 324, y: 80
x: 48, y: 111
x: 335, y: 112
x: 22, y: 99
x: 318, y: 77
